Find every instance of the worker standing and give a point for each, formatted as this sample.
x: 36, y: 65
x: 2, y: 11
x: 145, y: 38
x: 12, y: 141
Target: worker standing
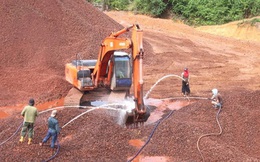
x: 216, y: 98
x: 53, y: 129
x: 29, y: 113
x: 185, y: 82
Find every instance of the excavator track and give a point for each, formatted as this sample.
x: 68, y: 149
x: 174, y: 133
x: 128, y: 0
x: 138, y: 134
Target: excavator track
x: 73, y: 97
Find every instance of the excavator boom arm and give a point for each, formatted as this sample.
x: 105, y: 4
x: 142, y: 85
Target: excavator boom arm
x: 138, y: 54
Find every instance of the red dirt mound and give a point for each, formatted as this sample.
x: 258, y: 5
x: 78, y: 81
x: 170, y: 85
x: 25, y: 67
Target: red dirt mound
x: 38, y: 38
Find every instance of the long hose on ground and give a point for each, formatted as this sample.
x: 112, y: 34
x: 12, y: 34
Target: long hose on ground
x: 202, y: 98
x: 56, y: 153
x: 12, y: 134
x: 151, y: 135
x: 210, y: 134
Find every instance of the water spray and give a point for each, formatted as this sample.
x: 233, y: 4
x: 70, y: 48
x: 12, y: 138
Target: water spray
x: 91, y: 109
x: 164, y: 77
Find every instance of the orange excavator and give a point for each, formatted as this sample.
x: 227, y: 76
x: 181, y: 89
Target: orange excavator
x: 118, y: 67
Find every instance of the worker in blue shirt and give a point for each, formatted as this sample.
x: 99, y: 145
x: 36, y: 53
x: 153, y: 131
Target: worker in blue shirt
x: 53, y: 129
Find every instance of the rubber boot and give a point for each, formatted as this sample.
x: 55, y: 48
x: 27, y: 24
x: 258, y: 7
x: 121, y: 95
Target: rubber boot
x: 21, y: 139
x: 29, y: 141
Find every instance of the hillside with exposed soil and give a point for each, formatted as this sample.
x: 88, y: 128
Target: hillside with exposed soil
x: 38, y: 38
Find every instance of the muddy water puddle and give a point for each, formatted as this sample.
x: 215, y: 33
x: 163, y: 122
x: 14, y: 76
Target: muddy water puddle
x: 158, y: 107
x: 140, y: 158
x: 7, y: 111
x: 136, y: 142
x: 3, y: 114
x: 152, y: 159
x: 50, y: 104
x: 10, y: 110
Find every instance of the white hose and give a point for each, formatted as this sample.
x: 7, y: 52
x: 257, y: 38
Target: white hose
x: 78, y: 117
x: 166, y: 76
x: 199, y: 98
x: 210, y: 134
x: 91, y: 109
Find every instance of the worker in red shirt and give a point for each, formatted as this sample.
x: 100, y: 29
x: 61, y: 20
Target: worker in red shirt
x: 185, y: 82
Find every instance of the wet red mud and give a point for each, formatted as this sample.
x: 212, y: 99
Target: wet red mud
x: 136, y: 142
x: 161, y: 106
x: 140, y: 158
x: 3, y: 114
x: 6, y: 111
x: 50, y: 104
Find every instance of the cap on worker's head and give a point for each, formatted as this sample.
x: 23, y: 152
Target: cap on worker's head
x: 215, y: 91
x: 185, y: 69
x: 31, y: 102
x: 53, y: 113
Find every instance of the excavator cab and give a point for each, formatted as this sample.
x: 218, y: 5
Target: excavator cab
x: 122, y: 74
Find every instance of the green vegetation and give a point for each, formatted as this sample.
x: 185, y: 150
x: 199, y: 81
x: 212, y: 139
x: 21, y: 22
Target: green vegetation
x: 251, y: 22
x: 193, y: 12
x: 254, y: 21
x: 211, y: 12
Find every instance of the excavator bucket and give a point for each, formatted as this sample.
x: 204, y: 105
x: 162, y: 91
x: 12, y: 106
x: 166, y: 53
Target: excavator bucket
x: 135, y: 119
